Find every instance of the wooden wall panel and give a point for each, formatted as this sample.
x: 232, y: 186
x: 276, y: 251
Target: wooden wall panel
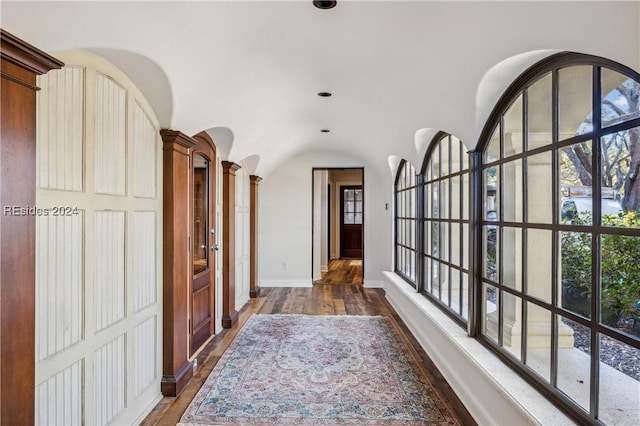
x: 229, y: 313
x: 109, y: 264
x: 201, y: 307
x: 60, y: 143
x: 59, y: 399
x: 110, y: 136
x: 177, y: 370
x: 59, y: 283
x: 109, y: 381
x: 144, y: 356
x: 254, y: 289
x: 144, y: 264
x: 145, y: 145
x: 20, y: 64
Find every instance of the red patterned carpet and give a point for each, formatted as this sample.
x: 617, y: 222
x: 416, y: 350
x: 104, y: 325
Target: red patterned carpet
x: 306, y: 369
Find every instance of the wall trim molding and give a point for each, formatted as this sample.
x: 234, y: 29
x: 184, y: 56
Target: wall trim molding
x: 286, y: 283
x: 143, y: 415
x: 373, y: 283
x: 492, y: 392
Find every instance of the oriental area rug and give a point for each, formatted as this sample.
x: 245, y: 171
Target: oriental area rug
x: 310, y: 370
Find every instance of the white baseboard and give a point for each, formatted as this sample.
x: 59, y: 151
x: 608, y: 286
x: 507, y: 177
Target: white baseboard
x: 286, y: 283
x: 147, y: 410
x: 373, y: 283
x: 492, y: 392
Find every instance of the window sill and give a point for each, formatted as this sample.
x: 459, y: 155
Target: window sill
x: 491, y: 391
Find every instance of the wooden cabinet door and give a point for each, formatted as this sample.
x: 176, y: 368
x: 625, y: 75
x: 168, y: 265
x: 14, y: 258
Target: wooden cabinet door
x: 203, y: 246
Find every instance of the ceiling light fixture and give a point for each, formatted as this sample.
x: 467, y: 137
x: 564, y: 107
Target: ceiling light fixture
x: 325, y: 130
x: 324, y: 94
x: 324, y: 4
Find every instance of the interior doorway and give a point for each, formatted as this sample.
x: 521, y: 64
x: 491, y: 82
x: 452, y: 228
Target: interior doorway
x: 338, y: 225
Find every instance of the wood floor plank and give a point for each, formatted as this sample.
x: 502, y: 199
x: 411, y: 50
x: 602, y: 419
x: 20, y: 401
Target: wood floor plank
x: 342, y: 271
x: 338, y: 307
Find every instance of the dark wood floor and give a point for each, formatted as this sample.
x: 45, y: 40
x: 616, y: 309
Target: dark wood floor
x: 342, y: 271
x: 322, y: 299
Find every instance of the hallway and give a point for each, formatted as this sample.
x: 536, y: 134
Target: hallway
x: 322, y: 299
x: 159, y: 188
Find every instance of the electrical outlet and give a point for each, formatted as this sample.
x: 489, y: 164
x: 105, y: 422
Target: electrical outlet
x: 284, y: 265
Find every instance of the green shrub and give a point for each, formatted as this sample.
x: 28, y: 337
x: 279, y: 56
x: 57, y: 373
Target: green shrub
x: 620, y: 268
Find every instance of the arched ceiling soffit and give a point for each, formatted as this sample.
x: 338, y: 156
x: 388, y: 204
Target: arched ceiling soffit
x: 313, y: 158
x: 223, y: 138
x: 495, y: 81
x: 422, y: 141
x: 394, y: 162
x: 147, y: 76
x: 251, y: 163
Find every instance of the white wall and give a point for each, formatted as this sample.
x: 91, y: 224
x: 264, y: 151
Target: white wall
x: 242, y: 235
x: 320, y: 231
x: 286, y: 224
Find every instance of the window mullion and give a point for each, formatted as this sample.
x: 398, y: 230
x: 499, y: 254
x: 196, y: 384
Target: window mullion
x: 419, y: 214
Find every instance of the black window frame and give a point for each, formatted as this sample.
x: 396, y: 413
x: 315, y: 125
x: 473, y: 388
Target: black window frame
x: 462, y: 222
x: 549, y: 66
x: 402, y: 198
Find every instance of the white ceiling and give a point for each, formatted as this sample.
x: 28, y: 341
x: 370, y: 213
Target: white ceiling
x: 251, y: 70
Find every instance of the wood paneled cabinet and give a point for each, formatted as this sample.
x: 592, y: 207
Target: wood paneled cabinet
x: 177, y: 371
x: 189, y: 249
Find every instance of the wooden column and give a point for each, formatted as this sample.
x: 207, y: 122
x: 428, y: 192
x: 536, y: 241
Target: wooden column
x: 176, y: 369
x: 21, y: 63
x: 229, y: 313
x: 254, y: 288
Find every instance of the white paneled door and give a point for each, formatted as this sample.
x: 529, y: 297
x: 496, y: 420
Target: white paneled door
x: 98, y: 245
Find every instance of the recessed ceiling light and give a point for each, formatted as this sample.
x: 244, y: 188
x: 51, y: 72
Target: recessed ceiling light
x: 324, y: 4
x: 324, y: 94
x: 325, y: 130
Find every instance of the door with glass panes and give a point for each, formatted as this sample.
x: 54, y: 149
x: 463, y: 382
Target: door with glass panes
x: 351, y: 221
x: 203, y: 246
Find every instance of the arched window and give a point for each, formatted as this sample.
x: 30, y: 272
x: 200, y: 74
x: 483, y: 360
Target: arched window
x: 406, y: 222
x: 445, y: 189
x: 560, y: 273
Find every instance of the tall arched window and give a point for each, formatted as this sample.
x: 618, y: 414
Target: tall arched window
x: 445, y: 189
x: 406, y: 222
x: 560, y: 273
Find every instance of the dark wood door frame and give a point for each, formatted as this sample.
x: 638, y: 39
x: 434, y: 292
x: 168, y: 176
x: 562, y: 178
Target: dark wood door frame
x: 329, y: 206
x: 21, y: 63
